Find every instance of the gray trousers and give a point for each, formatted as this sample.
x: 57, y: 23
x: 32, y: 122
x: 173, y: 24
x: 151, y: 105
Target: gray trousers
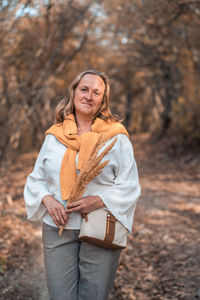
x: 77, y: 270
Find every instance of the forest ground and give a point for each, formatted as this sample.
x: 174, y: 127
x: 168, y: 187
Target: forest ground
x: 162, y: 260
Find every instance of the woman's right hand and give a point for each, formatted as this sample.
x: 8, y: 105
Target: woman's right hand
x: 56, y: 210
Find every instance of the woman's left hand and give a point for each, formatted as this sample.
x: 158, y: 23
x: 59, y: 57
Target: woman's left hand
x: 85, y: 205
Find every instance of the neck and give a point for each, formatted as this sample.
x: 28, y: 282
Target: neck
x: 83, y: 123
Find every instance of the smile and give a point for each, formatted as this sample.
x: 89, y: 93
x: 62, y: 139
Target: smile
x: 88, y: 104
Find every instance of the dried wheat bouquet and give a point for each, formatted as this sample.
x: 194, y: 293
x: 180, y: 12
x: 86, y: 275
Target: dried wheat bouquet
x: 90, y: 170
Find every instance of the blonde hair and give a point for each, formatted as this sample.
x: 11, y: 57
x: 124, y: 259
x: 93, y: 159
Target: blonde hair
x: 66, y: 105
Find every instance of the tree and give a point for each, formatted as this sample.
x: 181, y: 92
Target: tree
x: 151, y: 37
x: 35, y: 53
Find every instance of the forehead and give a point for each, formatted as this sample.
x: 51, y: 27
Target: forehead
x: 92, y: 81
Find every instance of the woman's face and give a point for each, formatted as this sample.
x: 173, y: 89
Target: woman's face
x: 88, y: 95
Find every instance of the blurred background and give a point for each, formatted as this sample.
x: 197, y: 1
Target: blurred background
x: 150, y: 50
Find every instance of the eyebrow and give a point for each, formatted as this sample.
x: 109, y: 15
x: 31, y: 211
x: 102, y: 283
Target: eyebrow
x: 85, y: 86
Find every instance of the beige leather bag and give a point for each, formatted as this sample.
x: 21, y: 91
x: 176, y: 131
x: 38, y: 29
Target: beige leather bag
x: 102, y: 229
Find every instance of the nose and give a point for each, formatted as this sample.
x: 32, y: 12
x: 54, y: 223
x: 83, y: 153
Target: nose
x: 89, y: 95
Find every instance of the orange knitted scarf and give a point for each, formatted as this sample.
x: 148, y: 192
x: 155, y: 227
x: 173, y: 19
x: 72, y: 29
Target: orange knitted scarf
x: 66, y: 133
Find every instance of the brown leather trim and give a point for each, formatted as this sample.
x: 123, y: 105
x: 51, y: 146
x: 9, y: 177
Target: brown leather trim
x: 100, y: 243
x: 110, y: 228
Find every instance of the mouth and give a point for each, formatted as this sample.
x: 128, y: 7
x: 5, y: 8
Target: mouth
x: 88, y: 104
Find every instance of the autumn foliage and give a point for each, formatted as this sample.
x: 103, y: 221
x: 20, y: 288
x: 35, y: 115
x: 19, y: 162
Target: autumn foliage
x: 150, y: 50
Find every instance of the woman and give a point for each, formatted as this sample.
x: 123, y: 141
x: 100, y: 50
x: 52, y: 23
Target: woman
x: 77, y: 269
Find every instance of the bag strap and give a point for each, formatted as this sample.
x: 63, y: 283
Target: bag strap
x: 110, y: 227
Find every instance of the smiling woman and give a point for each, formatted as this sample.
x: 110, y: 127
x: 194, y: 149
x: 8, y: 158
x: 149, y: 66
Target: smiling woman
x: 77, y: 270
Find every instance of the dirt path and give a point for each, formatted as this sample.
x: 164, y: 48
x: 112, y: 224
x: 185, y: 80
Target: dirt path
x: 163, y: 257
x: 162, y: 260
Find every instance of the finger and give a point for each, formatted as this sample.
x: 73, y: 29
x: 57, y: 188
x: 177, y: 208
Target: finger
x: 64, y: 215
x: 56, y: 218
x: 74, y: 204
x: 61, y: 217
x: 56, y: 221
x: 74, y: 209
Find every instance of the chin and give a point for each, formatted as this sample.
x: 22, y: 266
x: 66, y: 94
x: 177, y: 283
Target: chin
x: 86, y: 114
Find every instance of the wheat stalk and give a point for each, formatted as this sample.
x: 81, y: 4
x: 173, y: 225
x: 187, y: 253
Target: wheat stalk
x: 90, y: 170
x: 80, y: 188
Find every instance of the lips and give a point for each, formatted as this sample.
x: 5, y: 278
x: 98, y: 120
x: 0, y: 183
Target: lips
x: 88, y: 104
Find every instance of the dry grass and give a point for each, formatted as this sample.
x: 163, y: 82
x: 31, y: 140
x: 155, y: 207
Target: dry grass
x: 90, y: 170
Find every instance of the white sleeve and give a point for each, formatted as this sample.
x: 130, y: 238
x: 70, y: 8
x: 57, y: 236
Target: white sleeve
x: 121, y: 196
x: 35, y: 188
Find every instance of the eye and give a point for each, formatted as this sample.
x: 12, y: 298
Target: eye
x: 83, y: 89
x: 96, y: 93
